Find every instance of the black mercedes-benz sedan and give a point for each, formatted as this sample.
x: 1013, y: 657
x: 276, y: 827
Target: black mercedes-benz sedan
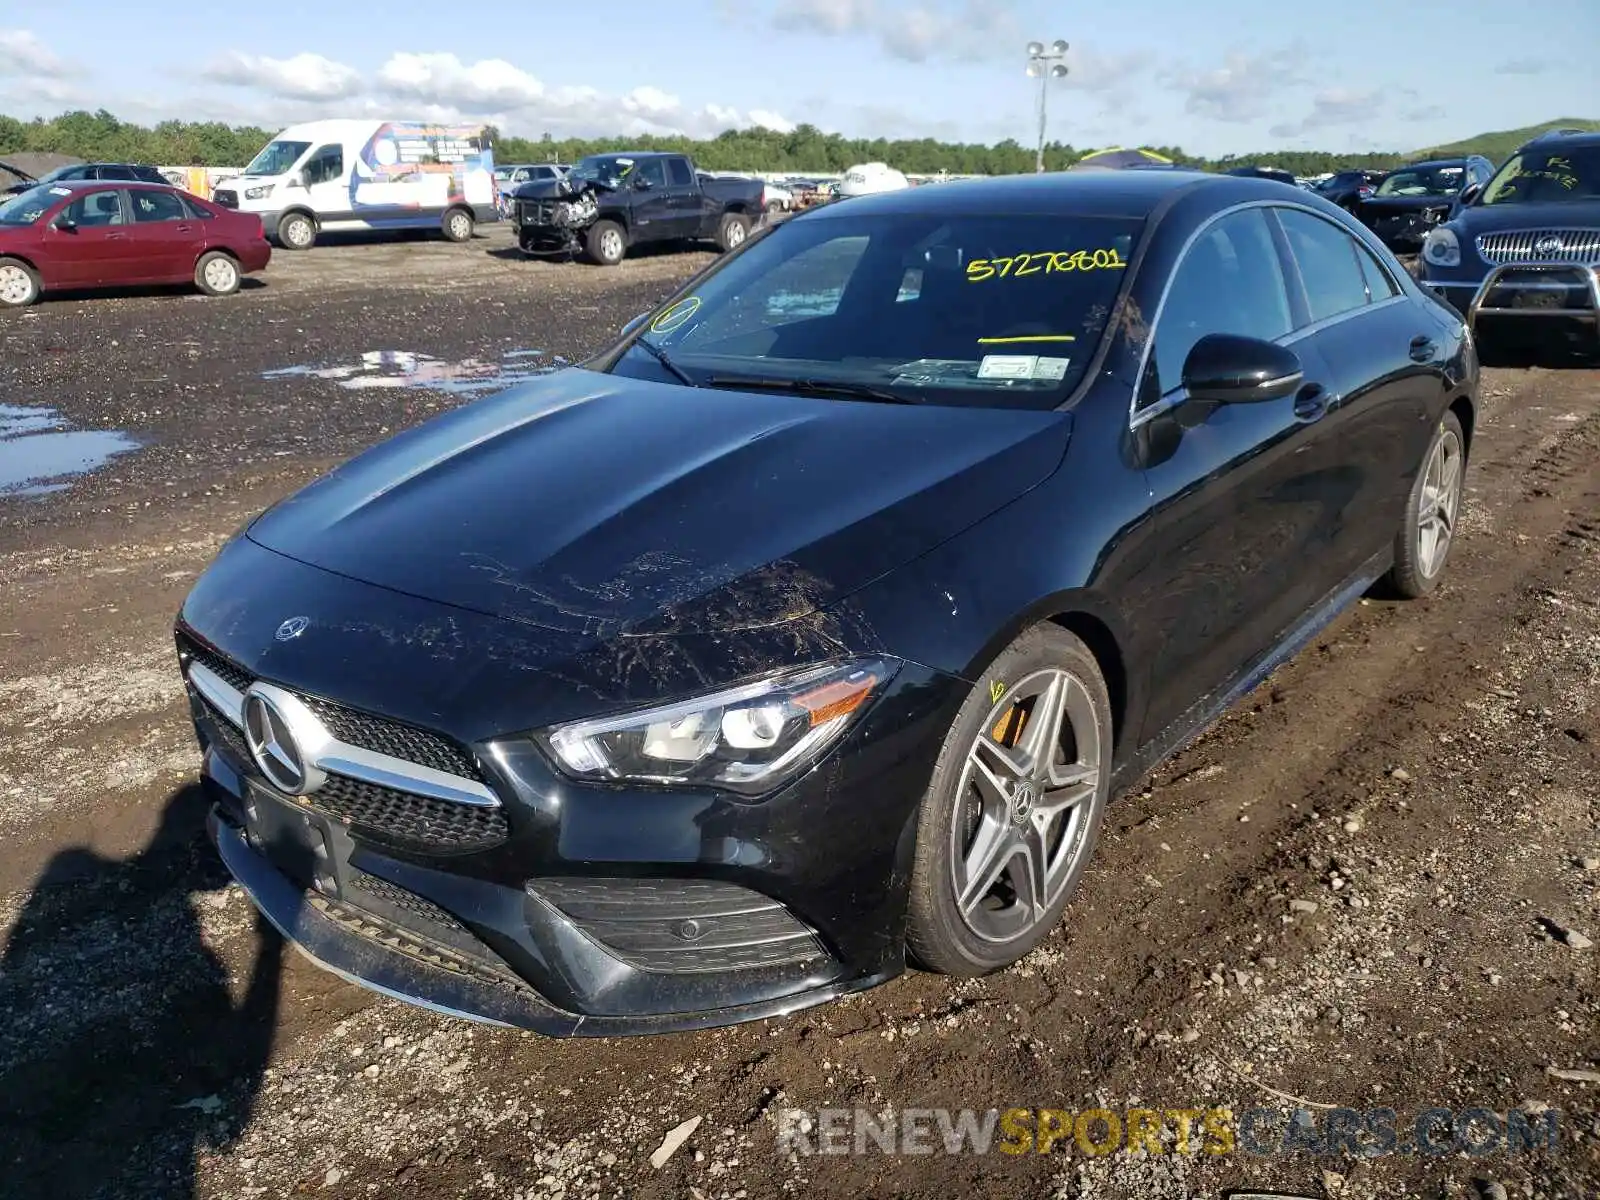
x: 807, y: 630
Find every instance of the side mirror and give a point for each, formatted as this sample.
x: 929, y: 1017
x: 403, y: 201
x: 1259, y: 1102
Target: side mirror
x: 641, y: 184
x: 1470, y: 193
x: 634, y: 324
x: 66, y: 224
x: 1227, y: 369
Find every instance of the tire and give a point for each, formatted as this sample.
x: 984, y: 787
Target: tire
x: 1432, y: 508
x: 732, y: 232
x: 217, y: 274
x: 774, y: 207
x: 605, y: 243
x: 19, y: 283
x: 457, y: 225
x: 297, y: 231
x: 986, y: 932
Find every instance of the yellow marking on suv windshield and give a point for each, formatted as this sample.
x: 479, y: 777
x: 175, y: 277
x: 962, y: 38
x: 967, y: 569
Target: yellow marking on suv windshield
x: 1031, y: 337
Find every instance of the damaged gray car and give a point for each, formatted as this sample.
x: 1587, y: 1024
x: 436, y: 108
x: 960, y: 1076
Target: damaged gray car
x: 608, y: 203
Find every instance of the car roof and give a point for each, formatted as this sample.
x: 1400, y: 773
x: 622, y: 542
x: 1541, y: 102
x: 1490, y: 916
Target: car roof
x: 1577, y: 137
x: 1132, y: 192
x: 87, y: 184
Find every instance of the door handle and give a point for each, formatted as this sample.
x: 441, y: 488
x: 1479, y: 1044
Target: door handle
x: 116, y: 237
x: 1312, y: 401
x: 1422, y: 348
x: 185, y: 228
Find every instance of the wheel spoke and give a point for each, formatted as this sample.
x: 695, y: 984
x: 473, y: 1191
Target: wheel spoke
x: 1449, y: 478
x: 992, y: 849
x: 1043, y: 731
x: 1028, y: 872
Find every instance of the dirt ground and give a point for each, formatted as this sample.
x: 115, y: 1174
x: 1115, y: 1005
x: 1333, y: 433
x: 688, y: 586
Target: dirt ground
x: 1372, y: 885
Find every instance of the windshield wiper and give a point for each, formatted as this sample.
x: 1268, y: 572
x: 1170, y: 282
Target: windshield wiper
x: 811, y: 387
x: 660, y: 356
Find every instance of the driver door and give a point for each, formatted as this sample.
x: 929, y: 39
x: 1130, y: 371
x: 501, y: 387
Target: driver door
x: 88, y: 242
x: 1235, y: 501
x: 652, y: 202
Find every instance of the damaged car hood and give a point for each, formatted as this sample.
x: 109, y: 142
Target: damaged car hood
x: 599, y: 505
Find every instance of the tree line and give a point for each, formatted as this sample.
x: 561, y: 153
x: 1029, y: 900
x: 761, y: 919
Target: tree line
x: 100, y: 136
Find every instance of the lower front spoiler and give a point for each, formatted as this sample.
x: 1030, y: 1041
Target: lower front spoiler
x: 439, y: 989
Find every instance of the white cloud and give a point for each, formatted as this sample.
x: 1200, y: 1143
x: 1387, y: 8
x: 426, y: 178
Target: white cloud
x: 22, y: 53
x: 306, y: 76
x: 1244, y: 87
x: 1336, y: 106
x: 440, y: 86
x: 923, y: 31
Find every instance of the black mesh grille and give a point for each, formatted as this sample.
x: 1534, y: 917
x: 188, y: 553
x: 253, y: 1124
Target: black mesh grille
x: 398, y: 897
x: 393, y: 738
x: 235, y: 677
x: 226, y: 735
x: 226, y: 199
x: 380, y: 734
x: 407, y: 821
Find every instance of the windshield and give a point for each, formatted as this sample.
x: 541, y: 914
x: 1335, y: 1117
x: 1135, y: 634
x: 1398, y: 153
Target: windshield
x: 1424, y: 181
x: 973, y: 309
x: 601, y: 168
x: 277, y: 158
x: 1546, y: 175
x: 29, y: 206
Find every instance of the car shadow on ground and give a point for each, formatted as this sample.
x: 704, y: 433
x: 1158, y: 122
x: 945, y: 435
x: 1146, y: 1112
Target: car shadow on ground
x: 125, y: 1051
x: 649, y: 250
x: 176, y: 291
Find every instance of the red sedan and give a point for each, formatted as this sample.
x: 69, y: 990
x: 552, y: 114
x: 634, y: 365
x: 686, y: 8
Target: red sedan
x: 98, y: 233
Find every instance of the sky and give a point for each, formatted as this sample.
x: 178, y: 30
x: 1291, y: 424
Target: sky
x: 1215, y: 76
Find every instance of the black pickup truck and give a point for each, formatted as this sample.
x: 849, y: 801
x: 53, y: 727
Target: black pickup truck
x: 608, y: 202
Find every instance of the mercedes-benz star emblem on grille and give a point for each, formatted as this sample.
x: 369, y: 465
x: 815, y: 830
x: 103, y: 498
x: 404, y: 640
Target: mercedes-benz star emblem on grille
x: 285, y: 738
x: 292, y: 628
x: 1549, y: 244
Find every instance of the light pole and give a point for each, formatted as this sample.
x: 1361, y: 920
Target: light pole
x: 1045, y: 65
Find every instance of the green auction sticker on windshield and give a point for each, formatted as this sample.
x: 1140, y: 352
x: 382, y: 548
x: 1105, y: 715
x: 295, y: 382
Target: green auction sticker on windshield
x: 675, y: 316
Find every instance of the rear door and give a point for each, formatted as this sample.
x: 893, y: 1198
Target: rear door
x: 1386, y: 358
x: 167, y: 240
x: 1236, y: 502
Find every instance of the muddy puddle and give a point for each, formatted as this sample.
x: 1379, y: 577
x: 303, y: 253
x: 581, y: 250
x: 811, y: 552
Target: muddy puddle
x: 407, y: 369
x: 40, y: 452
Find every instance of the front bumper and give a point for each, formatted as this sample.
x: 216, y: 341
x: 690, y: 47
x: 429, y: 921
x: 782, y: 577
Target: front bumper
x: 588, y: 911
x: 1516, y: 292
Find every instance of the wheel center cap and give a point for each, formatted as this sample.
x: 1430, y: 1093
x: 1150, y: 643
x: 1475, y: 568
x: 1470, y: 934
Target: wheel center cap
x: 1023, y: 798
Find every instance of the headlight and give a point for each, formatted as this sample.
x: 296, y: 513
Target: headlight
x: 1441, y: 249
x: 749, y: 739
x: 259, y: 193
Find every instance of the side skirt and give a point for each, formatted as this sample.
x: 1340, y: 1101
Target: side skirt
x: 1205, y: 712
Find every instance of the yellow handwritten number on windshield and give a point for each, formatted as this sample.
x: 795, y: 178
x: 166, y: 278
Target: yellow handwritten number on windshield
x: 1049, y: 261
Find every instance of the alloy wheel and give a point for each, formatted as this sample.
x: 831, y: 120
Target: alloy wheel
x: 735, y: 235
x: 1023, y: 804
x: 460, y: 227
x: 1438, y: 503
x: 15, y: 285
x: 611, y: 244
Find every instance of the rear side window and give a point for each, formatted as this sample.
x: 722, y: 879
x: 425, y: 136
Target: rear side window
x: 1230, y: 281
x: 157, y: 206
x: 678, y: 173
x: 1332, y: 273
x: 1380, y: 285
x: 114, y: 171
x: 195, y: 209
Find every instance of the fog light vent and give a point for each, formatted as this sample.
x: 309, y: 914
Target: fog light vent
x: 682, y: 925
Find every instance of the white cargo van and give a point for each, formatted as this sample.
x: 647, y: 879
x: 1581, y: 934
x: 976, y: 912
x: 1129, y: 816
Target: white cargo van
x: 340, y: 175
